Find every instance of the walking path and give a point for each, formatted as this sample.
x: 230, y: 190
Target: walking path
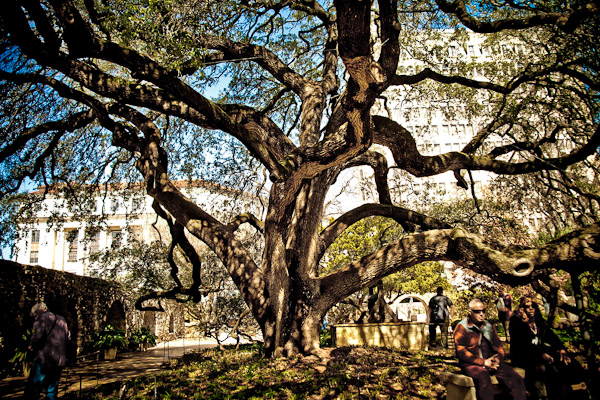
x: 87, y: 374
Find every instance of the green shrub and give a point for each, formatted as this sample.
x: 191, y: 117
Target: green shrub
x: 109, y: 337
x: 22, y: 349
x: 325, y: 339
x: 141, y: 336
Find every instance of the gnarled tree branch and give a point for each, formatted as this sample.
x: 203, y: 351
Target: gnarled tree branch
x: 567, y: 21
x: 468, y: 250
x: 399, y: 214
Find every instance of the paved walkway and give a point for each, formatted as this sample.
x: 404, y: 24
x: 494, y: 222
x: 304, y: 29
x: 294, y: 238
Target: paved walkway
x: 87, y: 374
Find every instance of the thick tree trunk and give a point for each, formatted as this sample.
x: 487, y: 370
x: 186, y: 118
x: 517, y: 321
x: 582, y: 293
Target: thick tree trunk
x: 290, y: 263
x: 296, y: 320
x: 297, y: 334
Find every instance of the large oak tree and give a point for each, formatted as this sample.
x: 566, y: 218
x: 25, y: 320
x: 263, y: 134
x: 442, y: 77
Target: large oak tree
x: 89, y: 86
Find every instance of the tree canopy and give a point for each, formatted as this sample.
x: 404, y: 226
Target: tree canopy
x: 97, y: 91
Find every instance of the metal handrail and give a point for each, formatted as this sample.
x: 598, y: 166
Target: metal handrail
x: 78, y: 358
x: 70, y: 366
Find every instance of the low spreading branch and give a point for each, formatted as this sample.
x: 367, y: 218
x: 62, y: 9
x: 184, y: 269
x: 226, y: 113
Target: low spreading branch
x: 467, y: 250
x: 399, y: 214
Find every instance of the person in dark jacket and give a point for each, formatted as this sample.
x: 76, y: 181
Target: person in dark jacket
x: 535, y: 348
x: 439, y: 314
x: 49, y: 347
x: 481, y: 354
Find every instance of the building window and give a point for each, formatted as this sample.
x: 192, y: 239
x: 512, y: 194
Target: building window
x: 116, y: 205
x: 452, y: 51
x: 35, y: 246
x: 137, y: 204
x: 415, y: 114
x: 116, y: 236
x: 72, y: 239
x: 72, y: 251
x: 471, y: 51
x: 95, y: 243
x: 99, y: 206
x: 171, y: 324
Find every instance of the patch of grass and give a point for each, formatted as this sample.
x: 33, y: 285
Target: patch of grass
x: 344, y: 373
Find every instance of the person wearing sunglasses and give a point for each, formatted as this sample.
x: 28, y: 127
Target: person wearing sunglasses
x: 536, y: 349
x: 481, y: 354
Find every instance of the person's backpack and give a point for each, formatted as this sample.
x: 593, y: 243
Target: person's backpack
x: 437, y: 313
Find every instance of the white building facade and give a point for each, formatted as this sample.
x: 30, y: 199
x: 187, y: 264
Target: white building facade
x: 68, y: 245
x: 439, y: 121
x: 444, y: 119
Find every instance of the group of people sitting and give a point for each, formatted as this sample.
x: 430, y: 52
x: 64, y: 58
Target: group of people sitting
x: 549, y: 372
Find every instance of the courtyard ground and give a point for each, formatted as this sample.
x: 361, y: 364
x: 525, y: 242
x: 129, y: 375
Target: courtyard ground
x: 342, y: 373
x: 90, y: 373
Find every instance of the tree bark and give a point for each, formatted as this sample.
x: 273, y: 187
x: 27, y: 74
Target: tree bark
x: 124, y: 89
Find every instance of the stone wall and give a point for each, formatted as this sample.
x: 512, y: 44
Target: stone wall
x: 88, y: 305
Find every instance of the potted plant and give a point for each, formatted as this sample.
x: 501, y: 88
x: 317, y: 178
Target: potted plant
x: 142, y: 338
x: 22, y: 353
x: 110, y: 340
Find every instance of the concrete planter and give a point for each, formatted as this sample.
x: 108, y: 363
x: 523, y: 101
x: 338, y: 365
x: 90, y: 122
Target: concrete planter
x: 401, y: 335
x: 110, y: 353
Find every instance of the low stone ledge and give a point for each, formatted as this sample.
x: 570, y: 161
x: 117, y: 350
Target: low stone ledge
x: 401, y: 335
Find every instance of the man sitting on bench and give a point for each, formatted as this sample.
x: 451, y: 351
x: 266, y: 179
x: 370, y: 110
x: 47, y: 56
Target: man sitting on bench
x: 481, y: 354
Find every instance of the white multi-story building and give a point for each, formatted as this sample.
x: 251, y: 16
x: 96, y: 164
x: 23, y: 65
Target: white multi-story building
x: 446, y: 118
x: 443, y: 118
x: 68, y: 244
x: 438, y: 120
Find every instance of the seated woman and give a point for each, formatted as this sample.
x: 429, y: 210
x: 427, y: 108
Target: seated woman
x: 534, y: 347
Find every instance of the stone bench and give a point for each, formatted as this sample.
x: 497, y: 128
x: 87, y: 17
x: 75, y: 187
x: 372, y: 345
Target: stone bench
x: 462, y: 387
